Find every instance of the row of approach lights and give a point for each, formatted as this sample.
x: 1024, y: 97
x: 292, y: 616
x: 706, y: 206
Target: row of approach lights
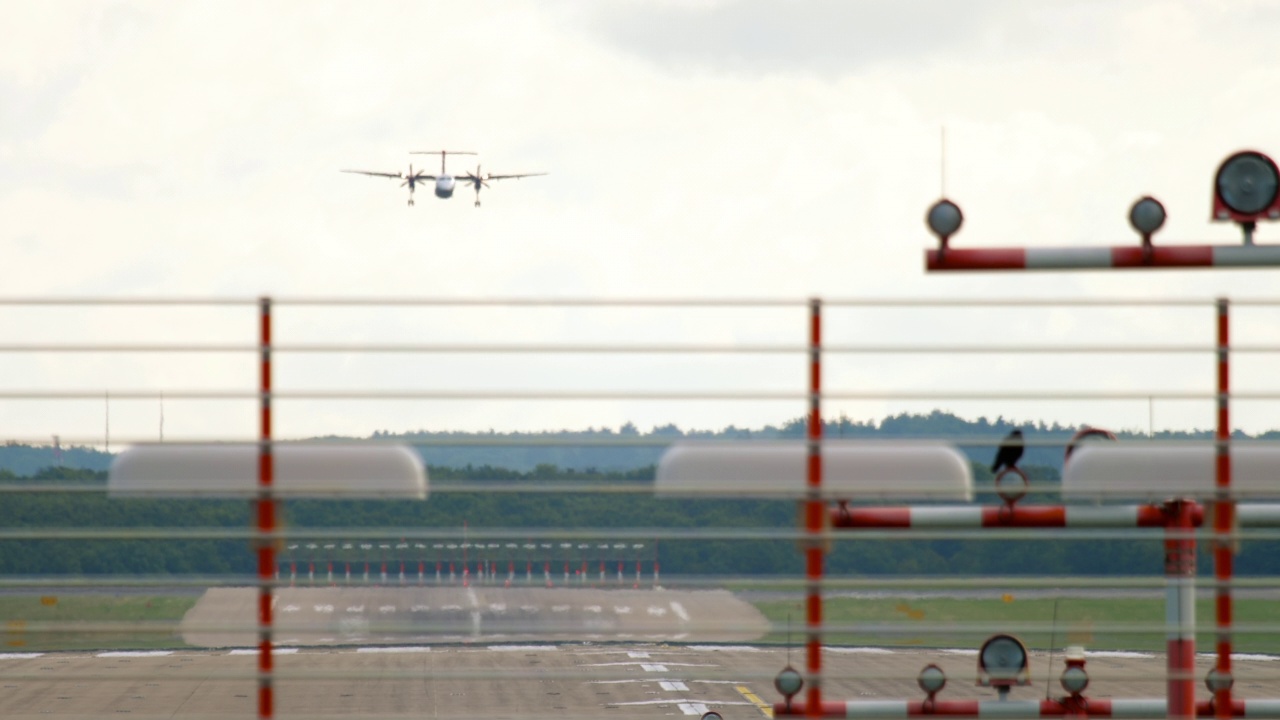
x: 1246, y: 190
x: 1002, y: 664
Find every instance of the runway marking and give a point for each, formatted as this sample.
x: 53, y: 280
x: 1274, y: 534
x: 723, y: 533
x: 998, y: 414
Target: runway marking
x: 647, y: 665
x: 19, y: 656
x: 674, y: 686
x: 387, y: 609
x: 692, y: 708
x: 862, y: 650
x: 679, y: 610
x: 653, y: 667
x: 764, y: 707
x: 324, y: 608
x: 475, y: 612
x: 559, y: 608
x: 525, y: 648
x: 420, y: 608
x: 657, y: 611
x: 637, y: 654
x: 291, y: 608
x: 959, y: 651
x: 725, y: 648
x: 529, y: 608
x: 498, y: 607
x: 255, y: 651
x: 668, y: 701
x: 356, y: 608
x: 623, y: 610
x: 592, y: 608
x: 394, y: 649
x: 135, y: 653
x: 450, y: 607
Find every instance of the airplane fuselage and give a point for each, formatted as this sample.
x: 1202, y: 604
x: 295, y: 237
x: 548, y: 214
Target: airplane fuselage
x: 444, y: 186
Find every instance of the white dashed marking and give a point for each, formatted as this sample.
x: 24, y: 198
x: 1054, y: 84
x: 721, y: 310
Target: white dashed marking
x: 674, y: 686
x: 559, y: 608
x: 387, y: 609
x: 420, y: 608
x: 592, y: 608
x: 291, y: 608
x: 394, y: 649
x: 680, y: 612
x: 255, y: 651
x: 498, y: 607
x: 450, y: 607
x: 693, y: 708
x: 19, y: 656
x: 623, y: 610
x: 529, y: 608
x: 356, y: 608
x: 653, y: 667
x: 324, y: 608
x: 135, y: 653
x: 637, y: 654
x: 657, y: 611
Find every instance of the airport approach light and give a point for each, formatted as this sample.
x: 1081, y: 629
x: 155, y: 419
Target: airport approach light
x: 1002, y: 663
x: 1011, y: 485
x: 711, y: 715
x: 944, y: 219
x: 1147, y: 216
x: 931, y: 680
x: 1074, y: 678
x: 1217, y: 681
x: 788, y: 683
x: 1247, y: 188
x: 1246, y: 191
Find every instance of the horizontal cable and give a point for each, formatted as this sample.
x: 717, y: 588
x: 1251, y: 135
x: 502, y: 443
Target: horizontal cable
x: 189, y: 394
x: 599, y: 348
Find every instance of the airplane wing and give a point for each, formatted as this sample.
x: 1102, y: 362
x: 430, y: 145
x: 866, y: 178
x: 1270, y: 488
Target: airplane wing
x: 397, y: 176
x: 509, y: 177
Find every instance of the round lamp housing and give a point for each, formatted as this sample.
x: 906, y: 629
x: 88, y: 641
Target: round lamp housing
x: 711, y: 715
x: 931, y: 679
x: 1002, y: 662
x: 1217, y: 681
x: 1246, y: 188
x: 944, y: 219
x: 1074, y: 679
x: 788, y: 683
x: 1147, y: 216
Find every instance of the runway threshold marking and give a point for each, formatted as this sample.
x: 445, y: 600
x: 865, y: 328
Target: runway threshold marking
x: 764, y: 707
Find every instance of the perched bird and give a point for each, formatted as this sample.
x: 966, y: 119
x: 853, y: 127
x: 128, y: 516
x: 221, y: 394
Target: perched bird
x: 1010, y: 451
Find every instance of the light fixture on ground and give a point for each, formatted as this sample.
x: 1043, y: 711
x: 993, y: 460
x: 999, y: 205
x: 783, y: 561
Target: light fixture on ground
x: 788, y: 683
x: 1074, y: 678
x: 1002, y: 664
x: 1217, y: 681
x: 931, y: 680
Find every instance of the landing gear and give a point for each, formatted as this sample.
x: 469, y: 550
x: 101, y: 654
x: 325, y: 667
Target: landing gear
x: 410, y: 202
x: 477, y: 202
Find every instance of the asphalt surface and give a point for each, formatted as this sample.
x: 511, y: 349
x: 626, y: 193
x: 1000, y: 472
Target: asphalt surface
x: 420, y: 665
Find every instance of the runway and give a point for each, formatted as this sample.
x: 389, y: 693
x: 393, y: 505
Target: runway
x: 225, y: 617
x: 523, y: 659
x: 513, y: 681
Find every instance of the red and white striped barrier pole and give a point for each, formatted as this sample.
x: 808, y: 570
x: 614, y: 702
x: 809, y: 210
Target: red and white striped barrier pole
x: 815, y: 509
x: 967, y: 516
x: 266, y: 507
x: 1132, y: 257
x: 1148, y: 708
x: 1180, y: 609
x: 1224, y: 510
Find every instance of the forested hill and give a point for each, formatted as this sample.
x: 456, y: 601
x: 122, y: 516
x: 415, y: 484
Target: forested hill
x: 628, y: 447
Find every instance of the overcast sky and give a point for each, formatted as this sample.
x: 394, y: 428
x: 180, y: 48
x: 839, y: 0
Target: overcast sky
x: 696, y: 149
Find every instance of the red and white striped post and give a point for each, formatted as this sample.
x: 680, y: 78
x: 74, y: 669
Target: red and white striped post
x: 1224, y: 510
x: 1180, y: 608
x: 815, y: 510
x: 266, y: 507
